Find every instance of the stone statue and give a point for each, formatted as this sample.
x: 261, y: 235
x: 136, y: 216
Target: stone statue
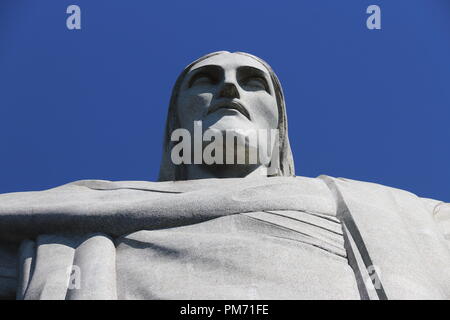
x: 224, y: 229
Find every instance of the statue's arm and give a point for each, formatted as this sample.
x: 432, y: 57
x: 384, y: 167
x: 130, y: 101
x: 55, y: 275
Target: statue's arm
x: 75, y: 208
x: 8, y: 271
x: 71, y: 209
x: 119, y: 208
x: 441, y: 215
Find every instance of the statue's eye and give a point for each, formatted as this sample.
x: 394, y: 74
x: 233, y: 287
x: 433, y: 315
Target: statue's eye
x: 254, y: 84
x: 201, y: 79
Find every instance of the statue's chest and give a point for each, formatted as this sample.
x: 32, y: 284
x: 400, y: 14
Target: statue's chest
x: 257, y: 255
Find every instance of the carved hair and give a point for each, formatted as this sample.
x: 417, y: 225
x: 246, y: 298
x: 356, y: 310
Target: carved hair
x: 171, y: 172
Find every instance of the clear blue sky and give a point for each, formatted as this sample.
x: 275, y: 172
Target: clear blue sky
x: 91, y: 104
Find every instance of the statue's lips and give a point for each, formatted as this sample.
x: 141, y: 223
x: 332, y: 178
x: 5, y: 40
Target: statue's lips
x: 231, y: 105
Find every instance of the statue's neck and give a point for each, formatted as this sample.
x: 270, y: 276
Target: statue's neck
x: 223, y: 171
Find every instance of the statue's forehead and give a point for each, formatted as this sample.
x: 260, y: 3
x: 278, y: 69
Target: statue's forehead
x: 231, y: 61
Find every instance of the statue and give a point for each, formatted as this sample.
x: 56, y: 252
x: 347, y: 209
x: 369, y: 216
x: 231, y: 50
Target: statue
x: 231, y: 223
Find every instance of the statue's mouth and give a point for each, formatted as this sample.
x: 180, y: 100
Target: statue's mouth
x: 231, y: 105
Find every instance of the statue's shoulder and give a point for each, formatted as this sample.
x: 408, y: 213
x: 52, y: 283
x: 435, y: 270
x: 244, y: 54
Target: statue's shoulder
x: 367, y: 186
x: 371, y: 191
x: 394, y: 226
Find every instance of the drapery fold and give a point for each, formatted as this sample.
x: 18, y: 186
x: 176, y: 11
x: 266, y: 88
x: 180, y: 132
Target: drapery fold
x: 57, y: 267
x: 405, y: 236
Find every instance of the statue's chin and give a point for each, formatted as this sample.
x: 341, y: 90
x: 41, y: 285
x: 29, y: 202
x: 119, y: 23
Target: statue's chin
x: 228, y: 122
x: 238, y: 139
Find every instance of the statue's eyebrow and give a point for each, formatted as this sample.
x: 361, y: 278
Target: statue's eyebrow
x: 211, y: 70
x: 248, y: 70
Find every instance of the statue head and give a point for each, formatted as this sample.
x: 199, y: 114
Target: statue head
x: 227, y: 92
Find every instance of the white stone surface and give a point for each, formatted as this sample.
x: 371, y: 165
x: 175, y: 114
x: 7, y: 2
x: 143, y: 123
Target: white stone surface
x: 274, y: 238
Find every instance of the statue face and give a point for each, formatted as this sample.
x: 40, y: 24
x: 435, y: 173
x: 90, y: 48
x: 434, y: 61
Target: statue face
x: 230, y: 95
x: 228, y: 91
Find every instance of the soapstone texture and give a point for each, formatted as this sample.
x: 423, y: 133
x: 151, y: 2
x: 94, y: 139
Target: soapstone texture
x: 224, y: 232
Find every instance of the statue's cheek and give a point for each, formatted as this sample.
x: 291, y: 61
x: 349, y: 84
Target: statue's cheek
x: 263, y: 109
x: 193, y: 106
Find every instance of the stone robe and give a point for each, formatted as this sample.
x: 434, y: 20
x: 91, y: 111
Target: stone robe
x: 267, y: 238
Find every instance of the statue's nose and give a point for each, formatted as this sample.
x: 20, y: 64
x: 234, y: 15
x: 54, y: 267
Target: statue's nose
x: 229, y: 90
